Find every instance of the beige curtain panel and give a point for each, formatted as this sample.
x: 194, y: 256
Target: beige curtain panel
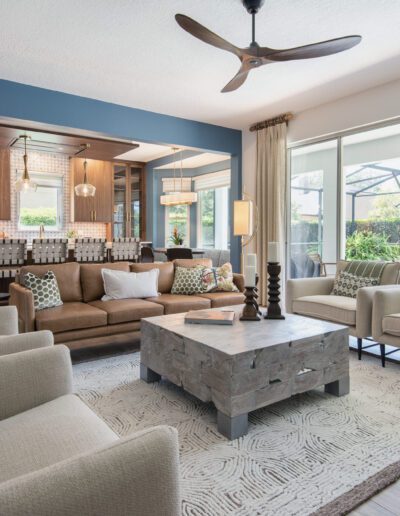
x: 271, y: 191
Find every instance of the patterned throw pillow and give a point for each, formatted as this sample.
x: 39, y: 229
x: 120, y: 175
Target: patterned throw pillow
x: 44, y: 289
x: 188, y: 281
x: 218, y: 279
x: 346, y: 284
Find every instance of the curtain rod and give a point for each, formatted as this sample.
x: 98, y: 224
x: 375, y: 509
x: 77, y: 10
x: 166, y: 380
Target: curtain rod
x: 280, y: 119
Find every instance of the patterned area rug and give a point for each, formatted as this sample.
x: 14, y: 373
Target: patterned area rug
x: 298, y: 456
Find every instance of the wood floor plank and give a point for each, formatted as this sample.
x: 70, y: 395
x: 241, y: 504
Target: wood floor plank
x: 371, y: 508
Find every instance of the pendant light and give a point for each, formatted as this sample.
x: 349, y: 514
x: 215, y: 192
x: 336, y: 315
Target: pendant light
x: 178, y: 197
x: 85, y: 189
x: 24, y: 184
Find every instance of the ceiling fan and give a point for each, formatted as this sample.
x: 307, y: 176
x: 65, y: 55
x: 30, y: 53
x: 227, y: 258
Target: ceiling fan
x: 255, y: 56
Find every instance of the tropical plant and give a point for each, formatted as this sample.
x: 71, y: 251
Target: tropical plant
x: 177, y: 238
x: 366, y: 245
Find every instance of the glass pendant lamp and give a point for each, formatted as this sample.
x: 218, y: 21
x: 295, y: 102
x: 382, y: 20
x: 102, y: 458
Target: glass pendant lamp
x: 85, y: 189
x: 178, y: 196
x: 25, y: 183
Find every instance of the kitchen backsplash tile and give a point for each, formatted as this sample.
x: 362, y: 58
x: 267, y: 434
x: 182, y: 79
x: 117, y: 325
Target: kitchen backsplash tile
x: 47, y: 163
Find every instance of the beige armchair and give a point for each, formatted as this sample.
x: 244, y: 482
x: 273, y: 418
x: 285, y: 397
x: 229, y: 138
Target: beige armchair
x: 13, y: 342
x: 312, y: 297
x: 386, y: 319
x: 58, y: 457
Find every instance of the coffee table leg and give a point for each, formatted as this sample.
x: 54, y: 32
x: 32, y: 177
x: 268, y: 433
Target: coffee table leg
x: 340, y: 387
x: 232, y: 427
x: 148, y: 375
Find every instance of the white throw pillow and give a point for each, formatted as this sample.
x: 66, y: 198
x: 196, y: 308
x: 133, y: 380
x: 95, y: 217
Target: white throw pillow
x: 129, y: 285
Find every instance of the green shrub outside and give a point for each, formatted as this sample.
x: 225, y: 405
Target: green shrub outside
x: 38, y: 216
x: 366, y: 245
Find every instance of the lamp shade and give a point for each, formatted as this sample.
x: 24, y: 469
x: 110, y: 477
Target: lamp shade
x: 177, y: 198
x: 242, y: 218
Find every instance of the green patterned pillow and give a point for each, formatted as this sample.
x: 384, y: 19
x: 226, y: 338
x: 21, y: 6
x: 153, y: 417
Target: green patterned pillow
x: 44, y: 289
x: 188, y: 281
x: 346, y: 284
x: 218, y: 279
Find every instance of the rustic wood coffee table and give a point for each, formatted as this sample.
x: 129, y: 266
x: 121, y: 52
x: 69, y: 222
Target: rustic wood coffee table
x: 246, y: 366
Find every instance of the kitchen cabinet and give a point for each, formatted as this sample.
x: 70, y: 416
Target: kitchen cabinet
x: 5, y: 185
x: 129, y: 200
x: 98, y: 208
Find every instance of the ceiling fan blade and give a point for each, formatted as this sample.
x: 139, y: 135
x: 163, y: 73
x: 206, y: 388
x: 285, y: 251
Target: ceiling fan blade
x: 238, y: 80
x: 324, y: 48
x: 199, y: 31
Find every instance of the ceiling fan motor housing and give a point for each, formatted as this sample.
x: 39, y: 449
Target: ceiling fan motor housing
x: 253, y: 6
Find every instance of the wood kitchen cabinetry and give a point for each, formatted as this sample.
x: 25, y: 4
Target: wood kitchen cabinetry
x: 98, y: 208
x: 5, y: 187
x: 129, y: 201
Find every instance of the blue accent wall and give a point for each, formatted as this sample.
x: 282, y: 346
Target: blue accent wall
x: 23, y: 103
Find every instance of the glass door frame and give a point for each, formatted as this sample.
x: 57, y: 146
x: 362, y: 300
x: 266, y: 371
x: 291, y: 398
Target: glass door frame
x: 128, y: 216
x: 338, y: 137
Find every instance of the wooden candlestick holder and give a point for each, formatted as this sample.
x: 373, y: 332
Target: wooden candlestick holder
x: 250, y: 310
x: 274, y: 292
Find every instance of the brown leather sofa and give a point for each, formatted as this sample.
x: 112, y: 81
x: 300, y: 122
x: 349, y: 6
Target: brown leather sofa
x: 85, y: 321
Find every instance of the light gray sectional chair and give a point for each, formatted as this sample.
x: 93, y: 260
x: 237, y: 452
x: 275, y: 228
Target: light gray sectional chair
x: 58, y: 458
x: 386, y: 319
x: 11, y: 341
x: 312, y: 297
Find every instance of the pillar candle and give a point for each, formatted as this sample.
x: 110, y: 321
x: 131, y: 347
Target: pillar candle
x: 273, y: 252
x: 249, y: 276
x: 252, y: 260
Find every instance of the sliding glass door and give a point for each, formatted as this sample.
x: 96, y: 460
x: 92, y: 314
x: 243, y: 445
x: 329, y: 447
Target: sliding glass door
x: 344, y: 201
x: 313, y: 208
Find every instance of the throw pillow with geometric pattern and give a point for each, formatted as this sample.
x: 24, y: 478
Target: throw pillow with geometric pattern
x: 44, y: 289
x: 346, y: 284
x: 187, y: 281
x: 219, y: 279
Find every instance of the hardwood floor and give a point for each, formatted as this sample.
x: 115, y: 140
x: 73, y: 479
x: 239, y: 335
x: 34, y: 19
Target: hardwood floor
x: 386, y: 503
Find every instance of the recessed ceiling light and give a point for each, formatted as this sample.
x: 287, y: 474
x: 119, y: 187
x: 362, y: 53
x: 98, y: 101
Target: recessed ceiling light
x: 60, y: 148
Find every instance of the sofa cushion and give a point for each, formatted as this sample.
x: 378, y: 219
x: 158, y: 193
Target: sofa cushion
x: 388, y: 276
x: 219, y: 299
x: 204, y: 262
x: 176, y: 303
x: 45, y: 291
x: 188, y: 281
x: 165, y: 278
x: 49, y: 433
x: 67, y: 275
x: 338, y: 309
x: 391, y: 324
x: 347, y: 284
x: 126, y: 310
x: 70, y: 316
x: 92, y: 281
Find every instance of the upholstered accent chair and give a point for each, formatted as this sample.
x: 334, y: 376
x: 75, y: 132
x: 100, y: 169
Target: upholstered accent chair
x: 58, y: 457
x: 12, y: 342
x: 386, y: 319
x: 312, y: 297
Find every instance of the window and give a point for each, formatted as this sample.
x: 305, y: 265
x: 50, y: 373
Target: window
x: 213, y: 229
x: 177, y: 217
x: 352, y: 211
x: 42, y: 207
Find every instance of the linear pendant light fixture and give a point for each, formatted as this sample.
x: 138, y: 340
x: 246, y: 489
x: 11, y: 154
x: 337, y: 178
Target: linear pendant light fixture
x: 25, y: 183
x: 178, y: 197
x: 85, y: 189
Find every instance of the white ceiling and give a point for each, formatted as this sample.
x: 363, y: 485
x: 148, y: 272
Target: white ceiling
x: 146, y: 152
x: 132, y: 52
x: 200, y: 160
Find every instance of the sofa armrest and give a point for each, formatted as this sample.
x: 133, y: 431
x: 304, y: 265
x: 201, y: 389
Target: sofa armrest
x: 33, y: 377
x: 385, y: 302
x: 301, y: 287
x: 238, y: 280
x: 365, y: 297
x: 22, y: 298
x: 8, y: 320
x: 136, y: 475
x: 24, y: 341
